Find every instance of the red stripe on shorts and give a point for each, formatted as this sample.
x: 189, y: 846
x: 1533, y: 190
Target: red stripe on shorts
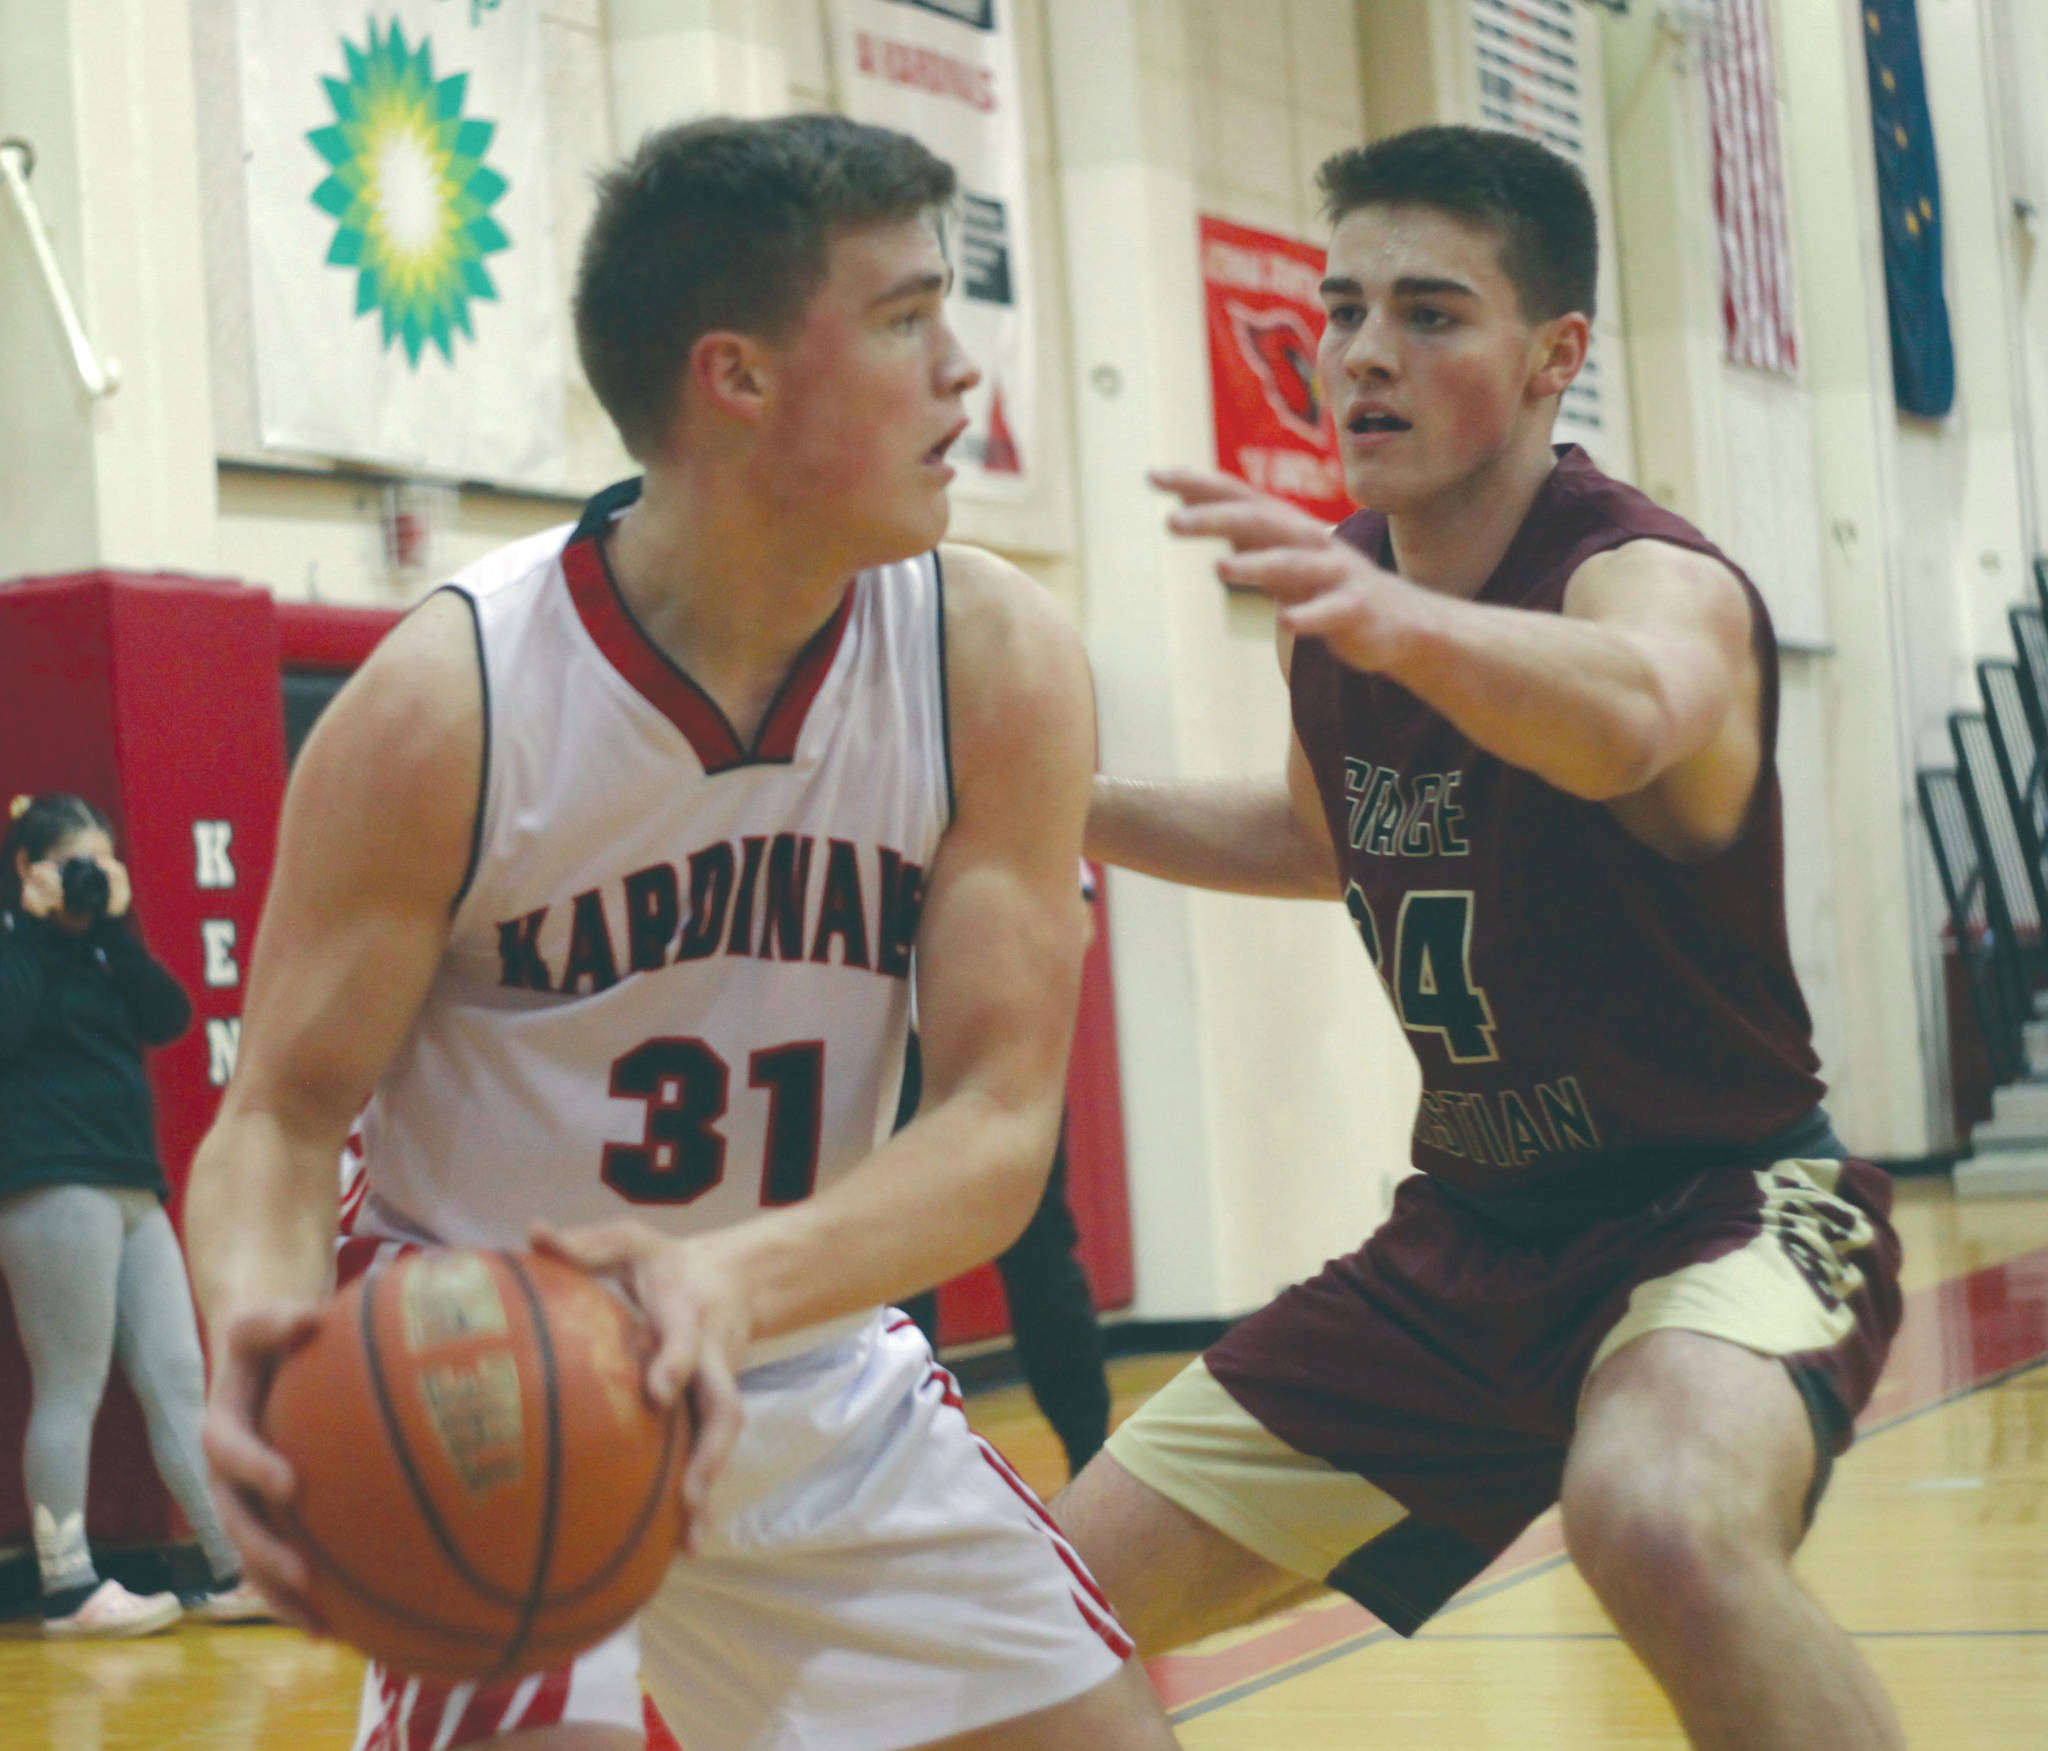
x: 381, y: 1738
x: 355, y: 1255
x: 1095, y: 1608
x: 423, y: 1719
x: 659, y: 1738
x: 549, y: 1702
x: 484, y: 1715
x: 1059, y: 1540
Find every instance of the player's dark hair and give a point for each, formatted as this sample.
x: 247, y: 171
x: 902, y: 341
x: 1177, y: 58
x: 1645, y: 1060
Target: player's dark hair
x: 38, y: 824
x: 1533, y: 200
x: 724, y: 224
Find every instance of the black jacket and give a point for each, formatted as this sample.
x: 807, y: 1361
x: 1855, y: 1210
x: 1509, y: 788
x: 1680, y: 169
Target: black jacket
x: 75, y: 1013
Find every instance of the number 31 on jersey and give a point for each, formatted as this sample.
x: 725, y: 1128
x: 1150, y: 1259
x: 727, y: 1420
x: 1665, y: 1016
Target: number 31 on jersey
x: 686, y: 1084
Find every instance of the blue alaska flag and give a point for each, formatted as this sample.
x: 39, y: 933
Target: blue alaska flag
x: 1909, y: 204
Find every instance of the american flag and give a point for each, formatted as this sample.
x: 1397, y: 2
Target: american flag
x: 1749, y: 188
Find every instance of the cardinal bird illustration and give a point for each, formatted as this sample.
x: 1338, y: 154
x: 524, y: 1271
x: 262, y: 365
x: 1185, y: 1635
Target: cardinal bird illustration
x: 1280, y: 347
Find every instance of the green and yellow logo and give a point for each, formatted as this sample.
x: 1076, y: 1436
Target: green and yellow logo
x: 409, y: 191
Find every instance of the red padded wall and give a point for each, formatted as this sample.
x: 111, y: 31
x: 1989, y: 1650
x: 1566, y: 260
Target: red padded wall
x: 157, y: 698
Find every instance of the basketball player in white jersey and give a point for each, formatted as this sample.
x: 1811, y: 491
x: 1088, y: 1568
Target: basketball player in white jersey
x: 606, y: 879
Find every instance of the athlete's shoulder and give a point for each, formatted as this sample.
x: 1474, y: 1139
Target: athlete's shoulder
x: 1014, y: 659
x: 1628, y: 543
x: 392, y: 770
x: 1598, y: 503
x: 528, y: 561
x: 988, y: 597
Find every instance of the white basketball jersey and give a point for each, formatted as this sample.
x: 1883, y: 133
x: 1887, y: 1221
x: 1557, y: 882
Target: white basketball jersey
x: 678, y: 981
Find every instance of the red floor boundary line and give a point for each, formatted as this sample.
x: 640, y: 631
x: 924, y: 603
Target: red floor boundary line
x: 1957, y: 1335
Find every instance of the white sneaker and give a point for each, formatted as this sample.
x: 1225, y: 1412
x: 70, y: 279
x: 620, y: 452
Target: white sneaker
x: 240, y: 1603
x: 112, y: 1611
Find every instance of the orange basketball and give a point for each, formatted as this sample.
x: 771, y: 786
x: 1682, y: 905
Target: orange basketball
x: 483, y: 1490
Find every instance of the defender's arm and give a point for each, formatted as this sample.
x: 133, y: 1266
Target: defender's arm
x: 1264, y: 835
x: 1644, y: 694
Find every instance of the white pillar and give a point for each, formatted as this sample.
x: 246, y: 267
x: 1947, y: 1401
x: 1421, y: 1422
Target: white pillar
x: 102, y: 92
x: 1267, y: 1094
x: 675, y: 59
x: 1890, y: 1079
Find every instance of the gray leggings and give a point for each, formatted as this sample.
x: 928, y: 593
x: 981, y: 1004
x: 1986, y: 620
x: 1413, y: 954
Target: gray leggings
x: 95, y: 1273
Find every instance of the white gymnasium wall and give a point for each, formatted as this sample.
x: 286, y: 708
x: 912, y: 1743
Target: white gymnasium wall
x: 1727, y: 447
x: 1961, y: 505
x: 1978, y: 454
x: 2018, y: 32
x: 1268, y: 1093
x: 99, y: 89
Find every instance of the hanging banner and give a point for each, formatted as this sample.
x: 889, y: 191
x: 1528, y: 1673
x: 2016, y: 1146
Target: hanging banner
x: 1741, y: 78
x: 1265, y: 317
x: 1909, y: 208
x: 406, y: 310
x: 945, y: 71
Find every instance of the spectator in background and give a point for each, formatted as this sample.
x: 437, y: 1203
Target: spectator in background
x: 1052, y: 1315
x: 85, y: 1246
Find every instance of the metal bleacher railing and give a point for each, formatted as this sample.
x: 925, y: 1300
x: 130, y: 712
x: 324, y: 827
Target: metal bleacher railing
x: 1987, y: 821
x: 2016, y: 753
x: 1978, y: 924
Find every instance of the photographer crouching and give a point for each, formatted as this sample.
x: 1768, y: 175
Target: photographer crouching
x: 85, y: 1246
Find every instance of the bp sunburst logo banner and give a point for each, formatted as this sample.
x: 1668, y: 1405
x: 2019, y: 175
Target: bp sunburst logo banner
x: 406, y: 306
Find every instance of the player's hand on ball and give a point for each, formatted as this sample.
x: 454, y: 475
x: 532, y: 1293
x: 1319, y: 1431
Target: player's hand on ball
x: 701, y: 1325
x: 1325, y: 588
x: 252, y: 1482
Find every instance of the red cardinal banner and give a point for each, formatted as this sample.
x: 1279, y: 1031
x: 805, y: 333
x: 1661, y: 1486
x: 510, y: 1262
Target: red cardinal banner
x: 1265, y: 317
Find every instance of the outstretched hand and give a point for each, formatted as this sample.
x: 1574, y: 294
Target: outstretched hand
x: 700, y: 1327
x: 1325, y: 588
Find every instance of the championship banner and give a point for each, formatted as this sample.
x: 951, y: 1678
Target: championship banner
x: 405, y: 307
x: 1265, y: 317
x: 946, y: 72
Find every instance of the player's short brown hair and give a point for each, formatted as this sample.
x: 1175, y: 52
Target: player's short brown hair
x: 725, y: 224
x: 1533, y: 200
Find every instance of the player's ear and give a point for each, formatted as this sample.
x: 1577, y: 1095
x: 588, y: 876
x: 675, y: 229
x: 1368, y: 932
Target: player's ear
x: 1558, y: 354
x: 728, y: 371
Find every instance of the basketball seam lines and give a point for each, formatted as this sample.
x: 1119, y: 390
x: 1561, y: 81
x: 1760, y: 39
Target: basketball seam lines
x: 422, y: 1498
x: 544, y: 1553
x: 491, y: 1593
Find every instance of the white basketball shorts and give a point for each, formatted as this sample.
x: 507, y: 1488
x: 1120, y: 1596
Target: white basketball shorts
x: 871, y: 1575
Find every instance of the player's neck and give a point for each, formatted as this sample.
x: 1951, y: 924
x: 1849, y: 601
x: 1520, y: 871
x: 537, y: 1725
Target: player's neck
x: 729, y: 595
x: 1455, y: 541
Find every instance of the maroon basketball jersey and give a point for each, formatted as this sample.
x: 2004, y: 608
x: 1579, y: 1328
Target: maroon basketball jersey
x: 1592, y: 1018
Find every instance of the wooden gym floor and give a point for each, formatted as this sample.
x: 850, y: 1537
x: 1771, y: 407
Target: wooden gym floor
x: 1932, y: 1550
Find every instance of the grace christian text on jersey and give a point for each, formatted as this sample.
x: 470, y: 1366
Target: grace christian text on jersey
x: 1389, y: 814
x: 748, y: 896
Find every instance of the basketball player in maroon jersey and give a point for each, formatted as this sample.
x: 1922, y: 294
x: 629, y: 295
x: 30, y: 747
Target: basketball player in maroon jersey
x: 1534, y: 722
